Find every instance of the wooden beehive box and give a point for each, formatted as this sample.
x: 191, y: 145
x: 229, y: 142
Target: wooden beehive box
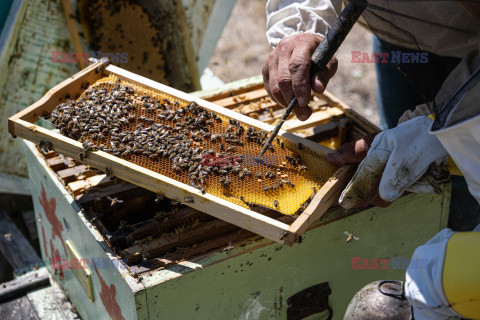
x: 224, y: 207
x: 210, y: 269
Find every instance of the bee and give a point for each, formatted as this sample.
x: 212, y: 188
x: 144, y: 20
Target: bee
x: 350, y: 236
x: 275, y: 203
x: 269, y: 174
x: 189, y: 199
x: 225, y: 181
x: 258, y: 160
x: 108, y: 172
x: 45, y: 146
x: 303, y: 168
x: 215, y: 137
x: 289, y: 183
x: 114, y: 201
x: 82, y: 156
x: 229, y: 247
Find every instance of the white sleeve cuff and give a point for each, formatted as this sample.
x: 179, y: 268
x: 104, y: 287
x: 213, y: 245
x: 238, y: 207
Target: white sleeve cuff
x: 289, y: 17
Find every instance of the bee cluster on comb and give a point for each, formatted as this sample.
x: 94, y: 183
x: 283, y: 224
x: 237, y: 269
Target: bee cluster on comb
x: 181, y: 140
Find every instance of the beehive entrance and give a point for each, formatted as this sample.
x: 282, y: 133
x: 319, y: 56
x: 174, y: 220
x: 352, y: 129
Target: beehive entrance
x: 234, y: 173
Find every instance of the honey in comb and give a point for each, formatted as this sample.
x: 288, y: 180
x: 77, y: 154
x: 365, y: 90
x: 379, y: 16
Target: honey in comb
x: 297, y: 185
x: 149, y: 32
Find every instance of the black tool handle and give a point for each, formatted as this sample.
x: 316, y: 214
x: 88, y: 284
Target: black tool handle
x: 335, y: 36
x: 324, y: 53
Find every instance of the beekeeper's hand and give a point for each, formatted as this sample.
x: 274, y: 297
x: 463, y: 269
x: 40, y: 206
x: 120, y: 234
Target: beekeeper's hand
x: 396, y: 161
x: 286, y: 73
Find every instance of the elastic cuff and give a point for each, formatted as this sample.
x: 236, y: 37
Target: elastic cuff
x: 274, y: 42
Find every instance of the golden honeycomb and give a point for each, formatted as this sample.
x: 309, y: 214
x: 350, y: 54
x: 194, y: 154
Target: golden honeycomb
x: 287, y: 199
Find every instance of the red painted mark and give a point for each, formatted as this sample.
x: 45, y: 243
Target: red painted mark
x: 56, y: 260
x: 108, y: 296
x: 44, y: 241
x: 49, y: 207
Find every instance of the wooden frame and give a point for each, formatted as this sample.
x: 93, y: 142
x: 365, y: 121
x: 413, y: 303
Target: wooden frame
x: 22, y: 125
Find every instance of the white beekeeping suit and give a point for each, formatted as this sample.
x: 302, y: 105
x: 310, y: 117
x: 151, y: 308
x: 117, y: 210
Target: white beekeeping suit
x: 449, y: 286
x: 451, y: 31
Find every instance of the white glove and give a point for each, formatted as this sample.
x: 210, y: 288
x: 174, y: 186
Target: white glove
x: 403, y: 155
x: 420, y: 110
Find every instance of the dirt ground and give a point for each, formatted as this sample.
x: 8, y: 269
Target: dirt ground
x: 243, y: 48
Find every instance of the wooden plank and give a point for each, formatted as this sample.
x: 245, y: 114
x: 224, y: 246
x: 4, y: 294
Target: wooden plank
x: 51, y: 303
x: 359, y: 119
x: 14, y: 246
x: 157, y: 228
x: 325, y: 131
x: 158, y: 183
x: 19, y: 309
x: 317, y: 118
x: 22, y: 285
x: 79, y: 186
x: 68, y: 175
x: 231, y: 89
x: 72, y: 28
x: 50, y: 100
x: 322, y: 200
x: 56, y: 163
x: 10, y: 184
x: 49, y: 154
x: 157, y: 247
x: 86, y: 199
x: 187, y: 44
x: 247, y: 97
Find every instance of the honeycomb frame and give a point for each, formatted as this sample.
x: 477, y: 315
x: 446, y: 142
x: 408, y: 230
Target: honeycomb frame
x: 22, y: 125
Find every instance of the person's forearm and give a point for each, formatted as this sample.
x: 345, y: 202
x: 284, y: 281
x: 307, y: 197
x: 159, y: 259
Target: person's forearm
x: 285, y: 18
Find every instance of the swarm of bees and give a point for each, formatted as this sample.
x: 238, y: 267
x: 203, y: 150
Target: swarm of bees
x: 106, y: 120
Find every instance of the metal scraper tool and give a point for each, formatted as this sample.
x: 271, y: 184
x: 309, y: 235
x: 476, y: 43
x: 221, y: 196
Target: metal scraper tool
x: 324, y: 52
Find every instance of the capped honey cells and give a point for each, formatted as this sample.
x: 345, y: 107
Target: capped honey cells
x: 191, y: 144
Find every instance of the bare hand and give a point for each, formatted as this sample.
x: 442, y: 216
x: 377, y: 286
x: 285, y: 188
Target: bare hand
x: 286, y: 73
x: 354, y: 152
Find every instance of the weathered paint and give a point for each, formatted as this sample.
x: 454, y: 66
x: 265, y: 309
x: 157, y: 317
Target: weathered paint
x: 39, y: 28
x: 206, y: 21
x: 257, y: 279
x: 27, y: 69
x: 254, y: 279
x: 59, y: 219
